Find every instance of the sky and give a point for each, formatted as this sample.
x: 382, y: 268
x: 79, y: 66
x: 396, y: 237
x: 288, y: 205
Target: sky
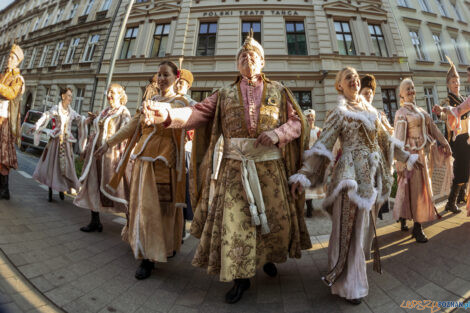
x: 5, y: 3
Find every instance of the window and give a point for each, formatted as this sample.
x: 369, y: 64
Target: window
x: 344, y: 38
x: 430, y: 99
x: 73, y: 10
x: 296, y: 41
x: 206, y: 39
x: 36, y: 25
x: 106, y: 5
x: 79, y: 99
x: 441, y: 7
x: 389, y: 100
x: 457, y: 12
x: 247, y: 26
x: 59, y: 15
x: 46, y: 19
x: 90, y: 48
x: 458, y: 51
x: 440, y: 50
x: 3, y: 61
x: 55, y: 56
x: 43, y: 56
x: 88, y: 7
x: 304, y: 99
x: 199, y: 95
x: 425, y: 5
x: 416, y: 41
x: 71, y: 50
x: 378, y: 40
x: 22, y: 63
x: 160, y: 40
x: 33, y: 57
x: 129, y: 42
x: 404, y: 3
x: 25, y: 28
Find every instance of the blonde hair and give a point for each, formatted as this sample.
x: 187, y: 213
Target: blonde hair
x: 403, y: 84
x: 122, y: 92
x: 340, y: 75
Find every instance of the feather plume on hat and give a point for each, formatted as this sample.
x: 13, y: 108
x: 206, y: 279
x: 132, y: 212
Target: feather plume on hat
x: 452, y: 72
x: 16, y: 50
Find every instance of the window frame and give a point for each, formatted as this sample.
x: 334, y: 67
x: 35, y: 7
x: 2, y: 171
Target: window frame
x: 106, y: 5
x: 160, y: 36
x: 73, y: 10
x: 90, y: 46
x: 296, y: 33
x: 375, y: 37
x: 432, y: 96
x: 71, y: 50
x: 245, y: 34
x: 45, y: 51
x: 421, y: 56
x: 128, y: 42
x: 441, y: 8
x: 33, y: 57
x: 88, y: 7
x: 425, y: 6
x: 298, y: 97
x: 55, y: 57
x: 387, y: 105
x: 343, y: 33
x: 206, y: 37
x: 440, y: 50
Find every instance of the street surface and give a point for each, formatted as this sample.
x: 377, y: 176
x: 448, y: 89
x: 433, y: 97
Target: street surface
x: 48, y: 265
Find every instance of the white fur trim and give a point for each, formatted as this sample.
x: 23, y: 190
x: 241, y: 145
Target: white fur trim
x: 300, y: 178
x: 113, y: 198
x: 180, y: 205
x: 319, y: 149
x: 397, y: 143
x: 351, y: 185
x: 135, y: 155
x: 411, y: 161
x: 149, y: 159
x: 368, y: 117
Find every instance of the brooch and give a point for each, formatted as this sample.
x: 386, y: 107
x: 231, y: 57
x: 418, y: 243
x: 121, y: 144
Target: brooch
x: 272, y: 101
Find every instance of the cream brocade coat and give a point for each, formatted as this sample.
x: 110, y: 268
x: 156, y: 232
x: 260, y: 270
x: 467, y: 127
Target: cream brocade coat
x: 157, y: 186
x: 415, y: 128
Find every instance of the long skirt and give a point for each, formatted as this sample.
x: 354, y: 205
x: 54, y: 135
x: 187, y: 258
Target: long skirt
x: 155, y: 225
x: 48, y: 170
x: 230, y: 245
x: 413, y: 200
x: 461, y: 154
x: 8, y: 159
x: 352, y: 282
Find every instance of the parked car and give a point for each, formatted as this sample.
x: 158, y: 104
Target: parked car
x: 27, y: 137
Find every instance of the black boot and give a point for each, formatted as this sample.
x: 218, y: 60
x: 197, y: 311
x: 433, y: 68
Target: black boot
x: 236, y: 292
x: 462, y: 197
x: 4, y: 190
x: 451, y: 202
x: 50, y: 195
x: 418, y: 233
x: 145, y: 269
x: 355, y: 301
x: 309, y: 208
x: 270, y: 269
x: 95, y: 224
x: 61, y: 195
x: 403, y: 226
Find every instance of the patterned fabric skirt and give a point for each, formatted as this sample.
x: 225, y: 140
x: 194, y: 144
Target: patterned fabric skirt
x: 54, y: 171
x: 8, y: 159
x: 230, y: 245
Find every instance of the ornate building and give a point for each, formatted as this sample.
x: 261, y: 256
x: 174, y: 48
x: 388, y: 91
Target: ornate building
x: 306, y: 42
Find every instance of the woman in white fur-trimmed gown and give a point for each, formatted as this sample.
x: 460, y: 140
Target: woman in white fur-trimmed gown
x: 361, y: 179
x: 56, y: 167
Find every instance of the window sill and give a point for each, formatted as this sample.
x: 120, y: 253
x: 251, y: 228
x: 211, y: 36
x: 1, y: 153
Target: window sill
x: 407, y: 8
x: 101, y: 14
x: 82, y: 19
x: 445, y: 63
x: 424, y: 62
x: 429, y: 13
x: 447, y: 18
x: 463, y: 23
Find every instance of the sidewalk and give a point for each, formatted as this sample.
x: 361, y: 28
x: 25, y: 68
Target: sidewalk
x: 60, y: 268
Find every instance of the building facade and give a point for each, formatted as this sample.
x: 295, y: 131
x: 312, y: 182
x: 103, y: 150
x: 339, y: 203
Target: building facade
x: 63, y: 42
x: 432, y: 30
x: 71, y: 43
x: 306, y: 43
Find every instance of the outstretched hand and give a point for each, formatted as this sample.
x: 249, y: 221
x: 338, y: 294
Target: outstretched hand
x: 154, y: 112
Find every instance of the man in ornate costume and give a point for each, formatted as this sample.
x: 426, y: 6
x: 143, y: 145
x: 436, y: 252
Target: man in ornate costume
x: 458, y: 142
x: 251, y: 221
x: 11, y: 90
x: 151, y: 89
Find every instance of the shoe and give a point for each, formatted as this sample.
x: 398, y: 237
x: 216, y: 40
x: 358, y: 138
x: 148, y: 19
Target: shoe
x: 173, y: 255
x: 61, y: 196
x: 452, y: 200
x: 418, y: 233
x: 236, y: 292
x: 403, y: 226
x: 95, y: 224
x: 5, y: 194
x: 355, y: 301
x: 50, y: 195
x: 270, y: 269
x: 144, y: 270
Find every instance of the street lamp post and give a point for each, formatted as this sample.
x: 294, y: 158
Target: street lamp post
x: 122, y: 31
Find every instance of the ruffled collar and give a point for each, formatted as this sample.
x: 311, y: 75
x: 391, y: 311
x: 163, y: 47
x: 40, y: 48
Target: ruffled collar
x: 368, y: 116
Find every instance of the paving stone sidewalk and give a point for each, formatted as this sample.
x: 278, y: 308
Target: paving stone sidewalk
x: 48, y: 265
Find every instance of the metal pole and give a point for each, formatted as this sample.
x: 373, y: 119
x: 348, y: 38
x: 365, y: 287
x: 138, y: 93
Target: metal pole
x: 115, y: 51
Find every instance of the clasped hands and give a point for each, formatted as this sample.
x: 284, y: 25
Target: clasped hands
x: 155, y: 112
x: 438, y: 110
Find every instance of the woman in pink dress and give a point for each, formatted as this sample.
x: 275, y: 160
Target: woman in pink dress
x: 417, y: 131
